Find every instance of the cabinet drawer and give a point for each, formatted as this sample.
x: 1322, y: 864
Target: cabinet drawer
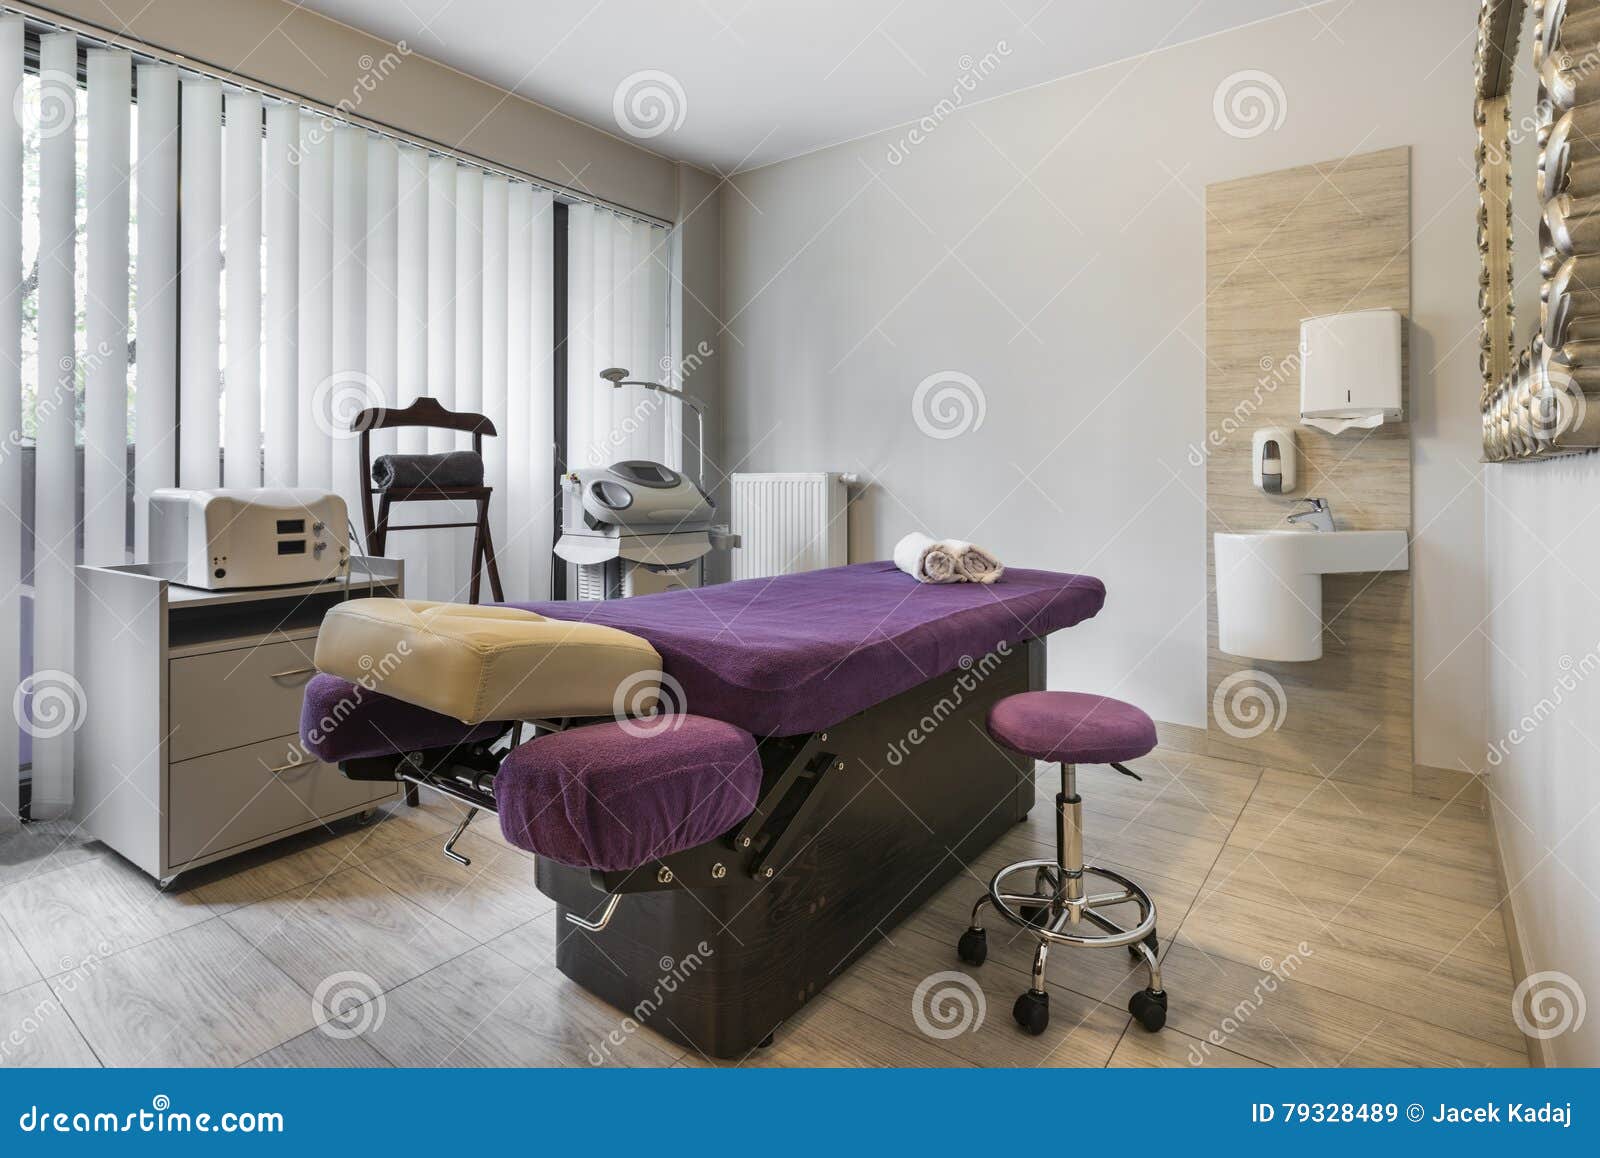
x: 229, y: 698
x: 231, y: 798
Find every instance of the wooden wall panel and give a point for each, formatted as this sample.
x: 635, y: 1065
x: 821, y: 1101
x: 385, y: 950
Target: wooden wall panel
x: 1280, y: 247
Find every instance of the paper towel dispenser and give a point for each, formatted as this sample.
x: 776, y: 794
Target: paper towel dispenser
x: 1350, y: 370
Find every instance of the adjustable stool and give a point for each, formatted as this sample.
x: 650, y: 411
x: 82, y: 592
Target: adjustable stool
x: 1074, y: 729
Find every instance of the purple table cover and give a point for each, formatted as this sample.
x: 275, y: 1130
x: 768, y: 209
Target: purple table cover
x: 797, y: 653
x: 777, y: 656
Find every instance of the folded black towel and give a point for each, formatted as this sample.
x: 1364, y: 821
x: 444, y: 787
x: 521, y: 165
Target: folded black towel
x: 453, y: 468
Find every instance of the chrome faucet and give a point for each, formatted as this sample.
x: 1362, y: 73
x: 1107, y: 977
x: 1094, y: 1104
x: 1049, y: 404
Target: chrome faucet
x: 1319, y: 517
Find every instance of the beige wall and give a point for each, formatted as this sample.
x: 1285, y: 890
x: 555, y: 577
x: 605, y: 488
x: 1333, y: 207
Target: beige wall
x: 1050, y: 243
x: 290, y: 48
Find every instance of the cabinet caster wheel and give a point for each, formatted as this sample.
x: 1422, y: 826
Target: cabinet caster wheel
x: 765, y: 1043
x: 1149, y: 1008
x: 973, y: 948
x: 1032, y: 1011
x: 1152, y: 940
x: 365, y: 818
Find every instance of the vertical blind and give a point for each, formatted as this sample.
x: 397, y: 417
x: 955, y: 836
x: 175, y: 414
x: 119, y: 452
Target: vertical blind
x: 315, y: 269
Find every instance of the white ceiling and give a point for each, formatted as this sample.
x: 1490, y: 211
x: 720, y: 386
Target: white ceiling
x: 750, y: 82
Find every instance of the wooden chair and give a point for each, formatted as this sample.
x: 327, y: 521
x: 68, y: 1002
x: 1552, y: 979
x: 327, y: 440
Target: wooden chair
x: 427, y: 412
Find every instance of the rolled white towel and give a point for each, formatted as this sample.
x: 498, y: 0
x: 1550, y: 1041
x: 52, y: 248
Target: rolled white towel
x: 926, y: 559
x: 974, y: 563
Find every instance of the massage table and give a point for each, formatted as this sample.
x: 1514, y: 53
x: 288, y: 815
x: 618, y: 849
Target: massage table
x: 731, y: 792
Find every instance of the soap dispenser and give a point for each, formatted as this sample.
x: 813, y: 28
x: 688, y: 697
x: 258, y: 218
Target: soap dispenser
x: 1272, y: 460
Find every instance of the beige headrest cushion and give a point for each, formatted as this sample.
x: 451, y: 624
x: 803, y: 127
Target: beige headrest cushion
x: 488, y: 663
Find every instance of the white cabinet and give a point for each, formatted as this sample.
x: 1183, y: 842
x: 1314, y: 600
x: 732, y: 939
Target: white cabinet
x: 190, y: 750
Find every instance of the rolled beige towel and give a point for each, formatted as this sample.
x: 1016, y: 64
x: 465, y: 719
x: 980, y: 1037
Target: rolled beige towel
x: 926, y: 559
x: 974, y: 564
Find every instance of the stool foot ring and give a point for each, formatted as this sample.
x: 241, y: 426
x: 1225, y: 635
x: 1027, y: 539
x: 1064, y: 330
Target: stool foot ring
x: 1152, y: 940
x: 1022, y: 909
x: 1032, y: 1011
x: 1149, y: 1008
x: 973, y: 948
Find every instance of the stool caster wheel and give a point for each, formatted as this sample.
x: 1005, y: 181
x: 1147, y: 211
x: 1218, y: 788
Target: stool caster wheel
x: 1149, y: 1008
x: 1032, y: 1011
x: 1152, y: 940
x: 973, y: 948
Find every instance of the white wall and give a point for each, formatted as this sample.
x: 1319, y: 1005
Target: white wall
x: 1543, y: 538
x: 1051, y: 244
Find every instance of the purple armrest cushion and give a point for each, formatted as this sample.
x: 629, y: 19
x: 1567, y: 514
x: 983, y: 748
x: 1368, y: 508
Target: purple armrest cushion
x: 616, y: 796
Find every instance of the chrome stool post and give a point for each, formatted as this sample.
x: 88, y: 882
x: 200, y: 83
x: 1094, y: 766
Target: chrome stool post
x: 1043, y: 724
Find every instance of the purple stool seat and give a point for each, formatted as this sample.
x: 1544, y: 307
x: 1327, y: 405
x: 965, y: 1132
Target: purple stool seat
x: 1072, y: 727
x: 619, y: 795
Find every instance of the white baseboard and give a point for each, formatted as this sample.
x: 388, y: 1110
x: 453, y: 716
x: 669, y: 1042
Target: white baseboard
x: 1538, y: 1049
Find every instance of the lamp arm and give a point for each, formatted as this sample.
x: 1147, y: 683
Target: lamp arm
x: 694, y: 404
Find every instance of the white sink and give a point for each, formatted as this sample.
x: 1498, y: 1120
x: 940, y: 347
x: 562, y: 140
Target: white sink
x: 1269, y: 585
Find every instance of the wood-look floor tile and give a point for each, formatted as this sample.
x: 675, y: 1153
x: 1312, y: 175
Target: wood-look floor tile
x: 44, y: 846
x: 885, y: 984
x: 1172, y: 1049
x: 199, y: 997
x: 1471, y: 929
x: 266, y: 872
x: 16, y: 970
x: 93, y: 909
x: 532, y: 945
x: 1461, y: 994
x: 1152, y: 851
x: 481, y: 1010
x: 1421, y: 860
x: 320, y: 1049
x: 1290, y: 1023
x: 398, y: 827
x: 492, y: 896
x: 1178, y: 793
x: 348, y: 923
x: 36, y: 1031
x: 1307, y: 792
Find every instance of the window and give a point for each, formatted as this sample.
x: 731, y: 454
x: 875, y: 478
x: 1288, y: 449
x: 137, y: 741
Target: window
x: 316, y: 269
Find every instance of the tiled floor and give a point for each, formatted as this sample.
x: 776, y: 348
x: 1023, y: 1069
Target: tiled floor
x: 1304, y: 923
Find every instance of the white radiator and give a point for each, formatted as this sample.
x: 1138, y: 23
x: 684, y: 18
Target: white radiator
x: 789, y: 522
